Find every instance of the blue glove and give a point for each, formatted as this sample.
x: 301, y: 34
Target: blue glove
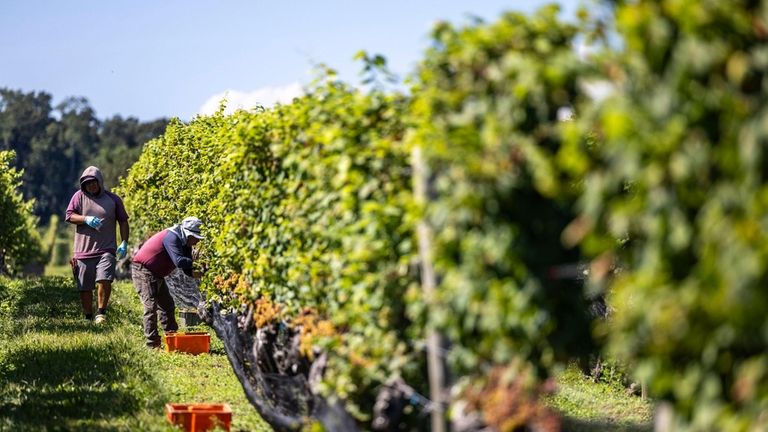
x: 93, y: 222
x: 122, y: 250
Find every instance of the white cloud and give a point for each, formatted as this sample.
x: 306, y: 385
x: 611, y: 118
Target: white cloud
x: 265, y: 96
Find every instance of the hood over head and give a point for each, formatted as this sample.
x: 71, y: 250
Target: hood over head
x: 91, y: 173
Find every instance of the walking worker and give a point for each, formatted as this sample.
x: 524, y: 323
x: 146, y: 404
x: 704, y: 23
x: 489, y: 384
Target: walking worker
x: 163, y: 252
x: 96, y: 212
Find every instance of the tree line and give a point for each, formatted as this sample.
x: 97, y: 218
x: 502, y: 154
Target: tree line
x: 54, y: 143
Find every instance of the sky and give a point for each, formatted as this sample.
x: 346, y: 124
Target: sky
x: 178, y: 58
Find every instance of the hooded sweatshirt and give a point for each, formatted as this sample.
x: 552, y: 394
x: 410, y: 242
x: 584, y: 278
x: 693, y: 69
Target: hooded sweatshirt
x: 89, y: 242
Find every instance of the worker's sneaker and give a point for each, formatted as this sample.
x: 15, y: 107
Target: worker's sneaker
x: 100, y: 319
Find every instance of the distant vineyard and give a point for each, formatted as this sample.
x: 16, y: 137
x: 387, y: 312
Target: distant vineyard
x: 657, y: 190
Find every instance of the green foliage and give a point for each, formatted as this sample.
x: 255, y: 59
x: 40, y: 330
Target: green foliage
x: 680, y: 181
x: 309, y: 205
x: 304, y: 203
x: 486, y: 107
x: 317, y: 221
x: 174, y: 176
x: 120, y: 144
x: 662, y: 186
x: 19, y: 240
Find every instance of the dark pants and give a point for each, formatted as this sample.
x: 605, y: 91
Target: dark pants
x: 157, y: 300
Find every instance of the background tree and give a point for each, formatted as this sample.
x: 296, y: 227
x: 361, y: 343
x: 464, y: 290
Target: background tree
x: 22, y: 117
x: 19, y: 240
x: 53, y: 146
x: 120, y: 144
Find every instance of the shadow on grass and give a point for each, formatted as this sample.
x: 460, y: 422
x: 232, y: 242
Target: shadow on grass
x: 54, y: 297
x: 45, y: 384
x: 52, y: 304
x: 577, y: 425
x: 51, y: 381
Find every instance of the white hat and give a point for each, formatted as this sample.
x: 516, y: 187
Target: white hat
x: 191, y: 227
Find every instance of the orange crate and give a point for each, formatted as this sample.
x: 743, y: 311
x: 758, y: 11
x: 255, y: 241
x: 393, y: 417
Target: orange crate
x: 196, y: 417
x: 192, y: 342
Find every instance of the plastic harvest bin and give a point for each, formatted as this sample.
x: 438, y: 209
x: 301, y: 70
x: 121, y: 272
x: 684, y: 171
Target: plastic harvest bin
x: 197, y: 417
x: 191, y: 342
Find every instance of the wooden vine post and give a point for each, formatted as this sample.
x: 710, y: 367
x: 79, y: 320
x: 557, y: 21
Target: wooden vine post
x: 435, y: 364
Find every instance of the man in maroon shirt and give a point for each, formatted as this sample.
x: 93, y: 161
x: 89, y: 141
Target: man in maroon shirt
x: 96, y: 212
x: 168, y: 249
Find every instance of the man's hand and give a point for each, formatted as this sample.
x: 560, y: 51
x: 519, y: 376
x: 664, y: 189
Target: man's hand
x: 122, y: 250
x: 93, y: 222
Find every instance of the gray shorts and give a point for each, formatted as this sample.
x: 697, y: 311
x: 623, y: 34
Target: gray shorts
x: 91, y: 270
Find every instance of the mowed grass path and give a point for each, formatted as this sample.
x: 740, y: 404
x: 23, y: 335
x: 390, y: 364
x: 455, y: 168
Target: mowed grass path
x: 59, y: 372
x: 588, y: 406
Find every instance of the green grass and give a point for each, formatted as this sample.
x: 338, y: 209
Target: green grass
x: 59, y: 372
x: 588, y: 406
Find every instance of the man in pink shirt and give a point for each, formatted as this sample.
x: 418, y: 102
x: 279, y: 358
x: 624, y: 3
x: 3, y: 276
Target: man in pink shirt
x: 168, y: 249
x: 96, y: 212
